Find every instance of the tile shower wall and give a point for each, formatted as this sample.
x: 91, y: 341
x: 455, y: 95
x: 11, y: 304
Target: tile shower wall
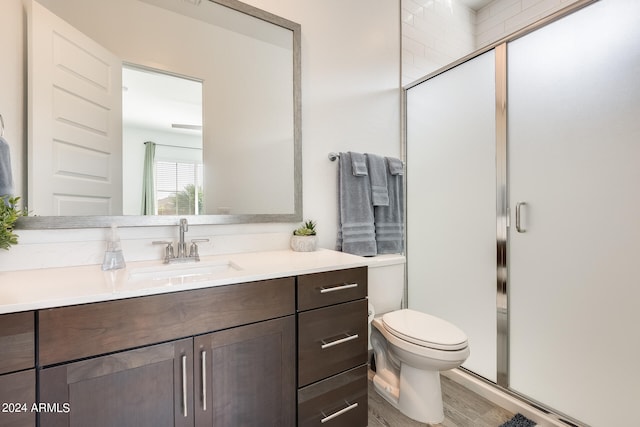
x: 438, y: 32
x: 434, y: 33
x: 503, y: 17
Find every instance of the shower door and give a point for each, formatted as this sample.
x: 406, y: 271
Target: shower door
x: 574, y: 241
x: 451, y: 204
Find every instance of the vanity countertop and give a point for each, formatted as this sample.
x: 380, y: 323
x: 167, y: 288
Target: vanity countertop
x: 56, y: 287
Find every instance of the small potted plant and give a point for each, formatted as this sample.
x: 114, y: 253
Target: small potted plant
x: 9, y: 214
x: 304, y: 238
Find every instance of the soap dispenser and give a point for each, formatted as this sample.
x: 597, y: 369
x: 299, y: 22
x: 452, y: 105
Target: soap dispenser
x: 113, y: 258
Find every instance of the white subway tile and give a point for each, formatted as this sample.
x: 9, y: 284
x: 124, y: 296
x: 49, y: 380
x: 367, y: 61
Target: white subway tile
x: 540, y: 5
x: 483, y: 14
x: 504, y: 14
x: 498, y: 6
x: 490, y: 35
x: 412, y: 7
x: 414, y: 46
x: 536, y: 9
x: 407, y: 57
x: 407, y: 18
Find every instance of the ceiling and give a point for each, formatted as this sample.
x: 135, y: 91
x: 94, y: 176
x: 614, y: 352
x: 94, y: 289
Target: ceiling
x: 154, y: 100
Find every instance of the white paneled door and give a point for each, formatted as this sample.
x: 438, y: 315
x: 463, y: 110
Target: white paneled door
x: 75, y: 121
x: 574, y: 240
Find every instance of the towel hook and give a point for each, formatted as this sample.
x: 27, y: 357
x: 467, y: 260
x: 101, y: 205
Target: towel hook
x: 1, y: 125
x: 333, y: 156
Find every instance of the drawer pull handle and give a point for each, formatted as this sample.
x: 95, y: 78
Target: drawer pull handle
x: 184, y: 385
x: 340, y: 412
x: 339, y: 341
x: 324, y: 290
x: 204, y: 380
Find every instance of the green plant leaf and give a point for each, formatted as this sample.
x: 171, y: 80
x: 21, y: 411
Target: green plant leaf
x: 9, y: 214
x: 307, y: 229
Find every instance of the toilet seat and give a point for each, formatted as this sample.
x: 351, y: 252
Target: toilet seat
x: 424, y: 330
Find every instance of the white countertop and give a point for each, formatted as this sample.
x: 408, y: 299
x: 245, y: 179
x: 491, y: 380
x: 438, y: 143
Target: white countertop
x: 56, y: 287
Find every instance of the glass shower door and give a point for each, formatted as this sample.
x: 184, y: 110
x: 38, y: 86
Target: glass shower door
x: 451, y: 204
x: 574, y: 241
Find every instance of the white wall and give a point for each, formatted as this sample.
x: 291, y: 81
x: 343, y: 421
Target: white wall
x: 350, y: 90
x: 350, y: 101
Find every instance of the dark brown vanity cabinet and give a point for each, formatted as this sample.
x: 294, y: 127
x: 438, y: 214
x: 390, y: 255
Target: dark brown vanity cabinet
x: 225, y: 356
x: 17, y: 373
x: 332, y: 348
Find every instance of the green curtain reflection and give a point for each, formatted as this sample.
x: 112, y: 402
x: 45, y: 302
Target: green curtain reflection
x: 148, y: 180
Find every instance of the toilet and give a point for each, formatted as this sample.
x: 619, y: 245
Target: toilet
x: 410, y: 349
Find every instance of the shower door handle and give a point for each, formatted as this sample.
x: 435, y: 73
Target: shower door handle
x: 519, y: 227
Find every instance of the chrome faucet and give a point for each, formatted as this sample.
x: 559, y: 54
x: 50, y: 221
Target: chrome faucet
x: 181, y: 256
x: 182, y: 246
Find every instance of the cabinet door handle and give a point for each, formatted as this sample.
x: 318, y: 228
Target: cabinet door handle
x: 338, y: 341
x: 204, y: 379
x: 340, y: 412
x: 184, y: 385
x: 324, y: 290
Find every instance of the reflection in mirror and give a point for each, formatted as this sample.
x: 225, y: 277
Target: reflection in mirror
x: 169, y: 161
x: 238, y: 137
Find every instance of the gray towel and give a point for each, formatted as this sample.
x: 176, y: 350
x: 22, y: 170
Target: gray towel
x: 389, y: 220
x: 356, y: 229
x: 378, y: 178
x: 396, y: 167
x: 6, y: 179
x: 358, y: 164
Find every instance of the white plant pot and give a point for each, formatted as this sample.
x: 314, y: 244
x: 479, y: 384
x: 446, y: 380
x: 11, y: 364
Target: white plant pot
x: 304, y: 243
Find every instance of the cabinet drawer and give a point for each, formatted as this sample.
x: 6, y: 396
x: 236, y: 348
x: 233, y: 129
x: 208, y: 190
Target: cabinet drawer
x: 333, y: 287
x: 331, y: 340
x: 70, y: 333
x: 16, y: 342
x: 339, y: 401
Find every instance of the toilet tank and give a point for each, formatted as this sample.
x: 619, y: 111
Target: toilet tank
x: 386, y: 282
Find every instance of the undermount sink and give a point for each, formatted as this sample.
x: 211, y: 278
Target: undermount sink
x: 192, y: 272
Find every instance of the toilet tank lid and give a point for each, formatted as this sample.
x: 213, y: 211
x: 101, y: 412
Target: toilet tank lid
x: 386, y: 259
x: 424, y: 329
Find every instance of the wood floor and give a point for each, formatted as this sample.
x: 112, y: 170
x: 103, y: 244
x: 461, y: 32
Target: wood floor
x: 462, y: 408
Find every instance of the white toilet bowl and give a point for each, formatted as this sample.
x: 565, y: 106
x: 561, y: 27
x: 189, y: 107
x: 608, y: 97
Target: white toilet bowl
x: 410, y: 349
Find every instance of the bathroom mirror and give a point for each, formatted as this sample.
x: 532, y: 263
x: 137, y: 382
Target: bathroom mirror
x: 230, y: 115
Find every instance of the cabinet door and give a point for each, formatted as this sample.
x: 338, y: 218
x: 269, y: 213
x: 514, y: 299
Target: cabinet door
x: 17, y: 396
x: 245, y: 376
x: 150, y: 386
